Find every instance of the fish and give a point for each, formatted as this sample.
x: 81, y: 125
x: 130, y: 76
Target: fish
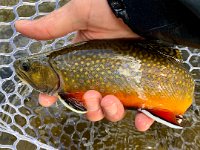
x: 142, y: 74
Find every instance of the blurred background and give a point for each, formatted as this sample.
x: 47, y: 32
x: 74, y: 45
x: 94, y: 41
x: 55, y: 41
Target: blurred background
x: 24, y: 124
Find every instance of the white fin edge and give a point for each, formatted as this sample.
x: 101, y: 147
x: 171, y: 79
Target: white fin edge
x: 71, y: 108
x: 159, y: 119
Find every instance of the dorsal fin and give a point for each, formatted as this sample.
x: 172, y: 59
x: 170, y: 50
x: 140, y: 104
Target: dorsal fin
x: 171, y: 52
x: 164, y: 49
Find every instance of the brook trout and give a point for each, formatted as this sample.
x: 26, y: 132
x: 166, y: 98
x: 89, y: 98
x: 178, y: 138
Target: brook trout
x: 142, y: 74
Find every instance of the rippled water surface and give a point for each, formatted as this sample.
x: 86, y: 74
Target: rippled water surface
x: 24, y: 124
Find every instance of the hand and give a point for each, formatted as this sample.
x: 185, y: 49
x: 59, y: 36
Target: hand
x: 93, y: 19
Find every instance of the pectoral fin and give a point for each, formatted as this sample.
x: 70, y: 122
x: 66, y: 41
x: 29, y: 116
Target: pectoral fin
x: 73, y: 102
x: 165, y: 117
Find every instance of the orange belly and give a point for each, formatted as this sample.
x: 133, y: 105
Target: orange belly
x: 177, y: 106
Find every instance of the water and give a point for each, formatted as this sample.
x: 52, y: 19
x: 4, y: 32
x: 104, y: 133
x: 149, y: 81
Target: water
x: 24, y: 124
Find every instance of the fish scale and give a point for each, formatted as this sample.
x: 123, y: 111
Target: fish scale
x: 93, y: 69
x: 142, y: 74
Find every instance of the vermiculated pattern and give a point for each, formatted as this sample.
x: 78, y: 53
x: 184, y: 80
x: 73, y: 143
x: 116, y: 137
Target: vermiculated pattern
x: 24, y: 123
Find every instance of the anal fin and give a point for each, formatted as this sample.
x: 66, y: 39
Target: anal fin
x: 165, y: 117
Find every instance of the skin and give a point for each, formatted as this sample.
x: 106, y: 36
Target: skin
x: 93, y: 19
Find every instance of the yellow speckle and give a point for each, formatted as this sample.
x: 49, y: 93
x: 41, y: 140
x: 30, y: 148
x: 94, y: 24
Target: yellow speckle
x: 82, y: 62
x: 96, y: 75
x: 154, y: 76
x: 168, y: 66
x: 77, y: 75
x: 88, y: 64
x: 97, y: 61
x: 149, y: 58
x: 109, y: 72
x: 88, y: 59
x: 100, y: 78
x: 134, y: 54
x: 148, y: 65
x: 76, y: 64
x: 98, y: 69
x: 169, y: 75
x: 118, y: 63
x: 103, y: 60
x: 114, y: 91
x: 86, y: 73
x: 81, y: 69
x: 117, y: 76
x: 149, y: 71
x: 66, y: 79
x: 149, y: 76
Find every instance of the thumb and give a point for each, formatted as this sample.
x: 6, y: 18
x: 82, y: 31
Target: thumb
x: 58, y: 23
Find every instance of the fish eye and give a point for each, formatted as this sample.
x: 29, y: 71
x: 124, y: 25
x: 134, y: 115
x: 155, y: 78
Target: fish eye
x: 25, y: 66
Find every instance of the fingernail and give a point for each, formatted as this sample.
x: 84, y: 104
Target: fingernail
x: 46, y: 100
x: 110, y: 109
x: 142, y: 122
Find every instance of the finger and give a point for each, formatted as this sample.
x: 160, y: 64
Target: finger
x: 112, y: 108
x: 58, y: 23
x: 46, y: 100
x: 92, y: 101
x: 142, y: 122
x: 79, y: 37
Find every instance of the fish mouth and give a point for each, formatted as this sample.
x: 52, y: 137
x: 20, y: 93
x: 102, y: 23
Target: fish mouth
x: 24, y: 78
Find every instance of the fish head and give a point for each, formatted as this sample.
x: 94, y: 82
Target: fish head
x: 37, y: 72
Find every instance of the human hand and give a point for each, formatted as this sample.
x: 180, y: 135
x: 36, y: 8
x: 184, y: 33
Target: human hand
x: 97, y: 108
x: 93, y: 20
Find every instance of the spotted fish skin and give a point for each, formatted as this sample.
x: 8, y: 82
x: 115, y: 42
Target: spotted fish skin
x: 141, y: 74
x: 135, y: 72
